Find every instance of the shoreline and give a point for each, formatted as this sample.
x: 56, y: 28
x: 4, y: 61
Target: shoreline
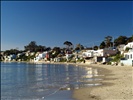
x: 116, y: 84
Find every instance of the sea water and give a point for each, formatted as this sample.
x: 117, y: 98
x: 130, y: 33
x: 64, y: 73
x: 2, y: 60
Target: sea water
x: 26, y: 81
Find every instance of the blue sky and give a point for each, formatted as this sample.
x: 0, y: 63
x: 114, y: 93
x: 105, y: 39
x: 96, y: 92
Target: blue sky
x: 51, y: 23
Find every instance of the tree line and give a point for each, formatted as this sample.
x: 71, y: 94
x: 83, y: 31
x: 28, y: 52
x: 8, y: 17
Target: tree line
x: 107, y: 42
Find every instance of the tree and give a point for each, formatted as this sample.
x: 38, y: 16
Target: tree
x: 108, y: 40
x: 48, y: 49
x: 56, y: 51
x: 68, y: 44
x: 31, y: 46
x: 79, y: 47
x: 130, y: 39
x: 95, y: 47
x: 120, y: 40
x: 40, y: 48
x: 102, y: 45
x: 11, y: 51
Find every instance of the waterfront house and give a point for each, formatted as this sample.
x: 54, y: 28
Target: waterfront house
x: 32, y: 53
x: 10, y: 57
x: 20, y: 54
x: 129, y: 45
x: 99, y: 55
x: 27, y: 53
x: 68, y: 54
x: 41, y: 56
x: 57, y: 59
x: 88, y: 53
x: 128, y: 61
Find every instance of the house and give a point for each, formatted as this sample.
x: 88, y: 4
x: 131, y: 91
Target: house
x: 78, y: 54
x: 57, y: 59
x: 88, y: 53
x: 68, y: 54
x: 121, y: 48
x: 10, y: 57
x: 40, y: 56
x: 128, y: 61
x: 27, y: 53
x: 100, y: 55
x: 20, y: 54
x: 5, y: 58
x: 129, y: 45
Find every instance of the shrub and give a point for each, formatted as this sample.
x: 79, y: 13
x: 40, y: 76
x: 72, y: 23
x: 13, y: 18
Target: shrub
x: 117, y: 58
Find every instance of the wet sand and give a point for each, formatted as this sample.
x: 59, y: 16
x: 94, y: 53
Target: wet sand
x: 117, y: 84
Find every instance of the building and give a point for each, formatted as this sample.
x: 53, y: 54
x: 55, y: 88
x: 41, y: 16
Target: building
x: 128, y: 61
x: 88, y: 53
x: 68, y: 54
x: 99, y: 53
x: 10, y: 57
x: 129, y: 45
x: 40, y: 56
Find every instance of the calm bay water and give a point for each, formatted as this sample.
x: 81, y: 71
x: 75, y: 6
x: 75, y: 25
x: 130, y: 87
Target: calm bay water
x: 24, y: 81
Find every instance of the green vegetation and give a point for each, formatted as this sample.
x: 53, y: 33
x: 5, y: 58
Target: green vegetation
x: 117, y: 58
x: 127, y: 49
x: 79, y: 47
x: 108, y: 41
x: 80, y: 60
x: 63, y: 60
x: 68, y: 44
x: 32, y: 47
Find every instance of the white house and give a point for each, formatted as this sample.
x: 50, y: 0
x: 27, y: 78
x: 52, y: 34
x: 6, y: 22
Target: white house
x: 40, y: 56
x: 128, y: 58
x: 88, y: 53
x: 129, y: 45
x: 68, y: 54
x: 99, y: 53
x: 10, y: 57
x: 19, y: 54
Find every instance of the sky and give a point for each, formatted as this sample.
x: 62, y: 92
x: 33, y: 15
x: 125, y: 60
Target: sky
x: 51, y: 23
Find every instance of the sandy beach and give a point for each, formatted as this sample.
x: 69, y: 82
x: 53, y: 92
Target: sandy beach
x: 117, y: 84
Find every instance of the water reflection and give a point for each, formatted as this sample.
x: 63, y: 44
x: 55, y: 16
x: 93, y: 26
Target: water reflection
x: 33, y: 81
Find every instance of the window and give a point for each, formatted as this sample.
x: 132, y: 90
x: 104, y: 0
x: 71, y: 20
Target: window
x: 126, y: 56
